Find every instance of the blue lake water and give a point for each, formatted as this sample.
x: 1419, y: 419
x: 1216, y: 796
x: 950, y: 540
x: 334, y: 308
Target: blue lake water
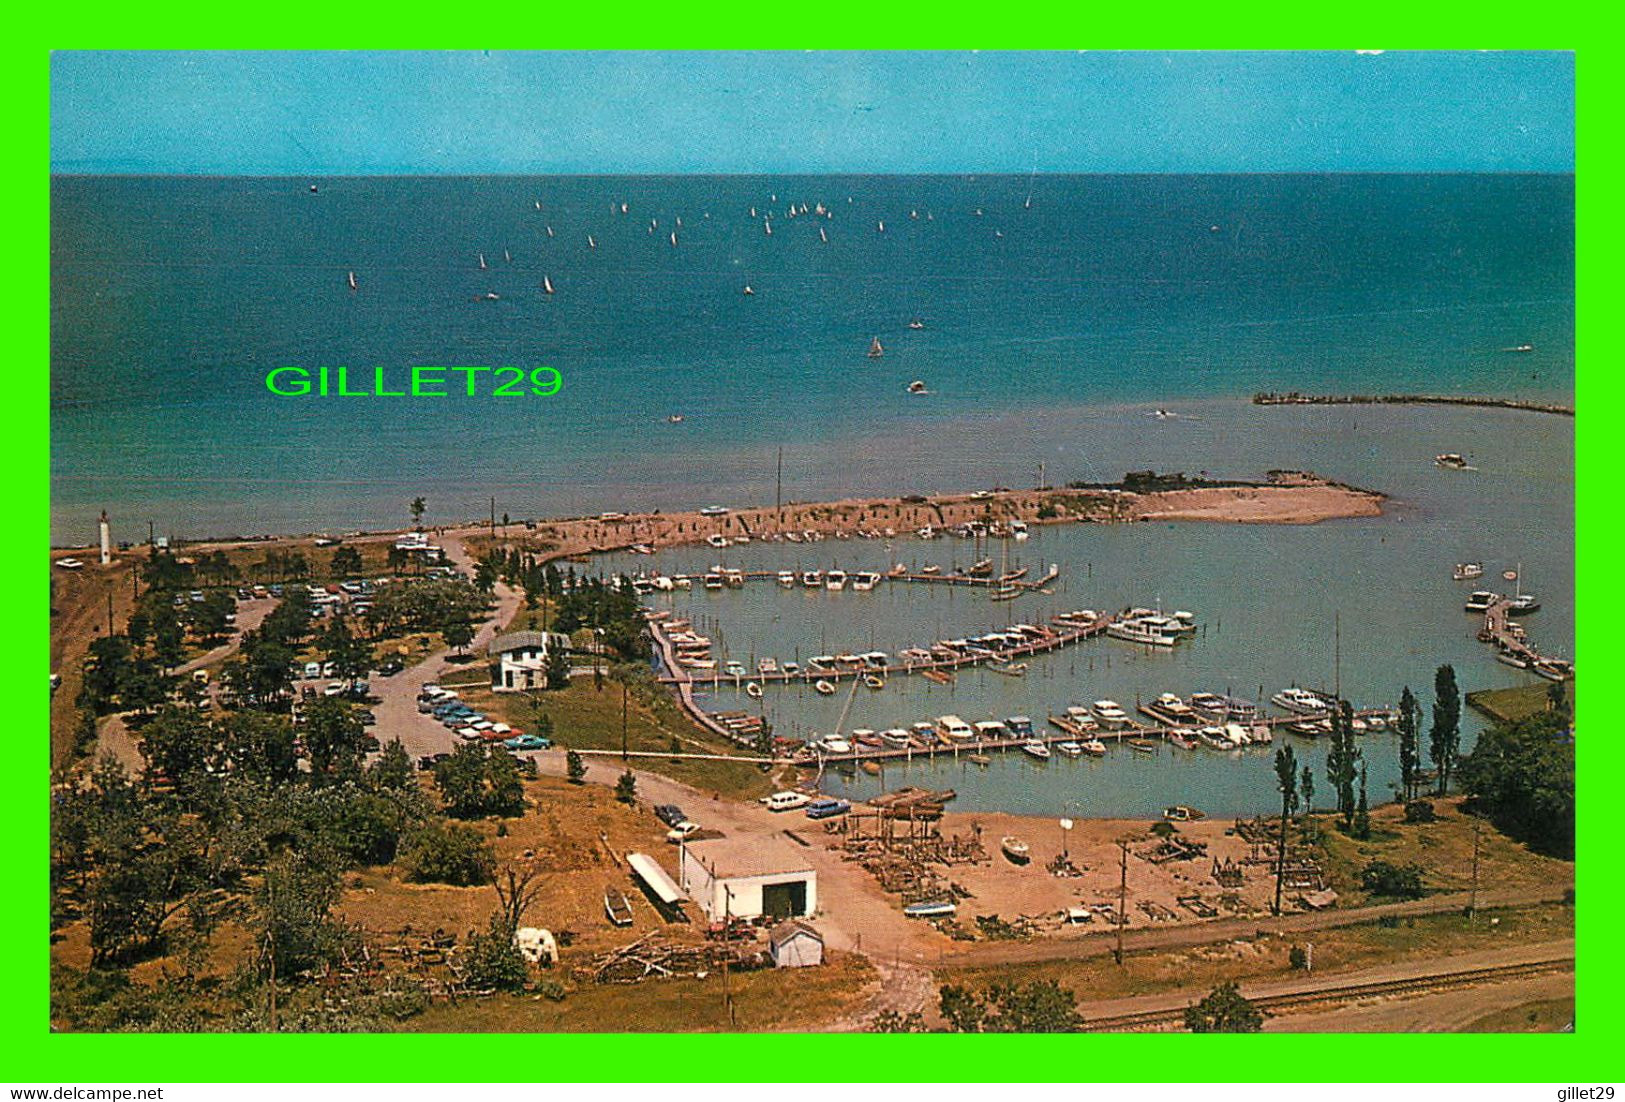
x: 1051, y: 332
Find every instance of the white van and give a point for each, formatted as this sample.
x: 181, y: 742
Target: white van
x: 313, y: 670
x: 786, y: 801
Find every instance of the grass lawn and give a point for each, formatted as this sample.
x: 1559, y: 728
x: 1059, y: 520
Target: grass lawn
x: 1540, y: 1016
x: 1511, y: 705
x: 1443, y: 848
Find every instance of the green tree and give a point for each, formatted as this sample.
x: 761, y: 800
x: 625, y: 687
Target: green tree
x: 1362, y: 811
x: 626, y: 788
x: 1041, y: 1006
x: 418, y: 506
x: 1521, y: 775
x: 1286, y: 778
x: 1306, y: 785
x: 103, y: 669
x: 1408, y: 724
x: 575, y: 769
x: 335, y: 741
x: 351, y: 657
x: 449, y: 853
x: 209, y: 617
x: 1399, y: 881
x: 346, y: 563
x: 393, y: 769
x: 293, y: 917
x: 168, y: 637
x: 1224, y: 1010
x: 260, y: 747
x: 493, y: 962
x: 1342, y: 761
x: 1444, y: 737
x: 458, y: 633
x: 475, y: 782
x: 558, y: 669
x: 180, y: 745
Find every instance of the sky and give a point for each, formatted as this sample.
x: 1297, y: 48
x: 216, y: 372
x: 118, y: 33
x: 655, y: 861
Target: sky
x: 614, y: 113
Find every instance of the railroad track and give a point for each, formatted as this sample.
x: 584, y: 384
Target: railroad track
x: 1292, y: 1000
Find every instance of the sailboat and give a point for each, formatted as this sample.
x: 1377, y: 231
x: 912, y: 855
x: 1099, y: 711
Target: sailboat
x: 747, y: 290
x: 623, y: 208
x: 880, y: 227
x: 591, y: 244
x: 547, y: 285
x: 821, y: 236
x: 550, y: 231
x: 875, y: 349
x: 506, y: 256
x: 1028, y: 205
x: 538, y: 204
x: 482, y: 262
x: 352, y: 281
x: 674, y: 240
x: 767, y: 228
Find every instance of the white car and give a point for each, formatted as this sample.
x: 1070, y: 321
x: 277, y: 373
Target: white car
x: 682, y: 831
x: 468, y: 734
x: 334, y: 688
x: 786, y: 801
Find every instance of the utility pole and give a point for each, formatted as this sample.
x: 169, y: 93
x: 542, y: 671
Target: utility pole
x: 109, y: 612
x: 623, y: 720
x: 493, y: 519
x: 1472, y: 906
x: 727, y: 950
x: 1122, y: 897
x: 778, y: 487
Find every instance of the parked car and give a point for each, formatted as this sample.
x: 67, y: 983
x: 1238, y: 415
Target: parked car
x: 682, y: 831
x: 391, y: 667
x: 670, y: 814
x: 313, y: 670
x: 827, y: 808
x: 786, y: 801
x: 368, y: 719
x: 527, y: 742
x: 334, y: 688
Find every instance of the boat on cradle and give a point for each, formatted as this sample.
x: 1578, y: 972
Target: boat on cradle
x: 1070, y: 749
x: 1466, y: 571
x: 937, y: 908
x: 616, y: 908
x: 1035, y: 748
x: 753, y: 690
x: 824, y: 687
x: 1015, y: 849
x: 1301, y: 701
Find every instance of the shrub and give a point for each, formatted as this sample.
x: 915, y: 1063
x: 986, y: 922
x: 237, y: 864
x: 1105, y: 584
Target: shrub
x: 1420, y: 811
x: 1298, y: 958
x: 449, y: 853
x: 1398, y: 881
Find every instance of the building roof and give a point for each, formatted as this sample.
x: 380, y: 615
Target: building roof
x: 750, y: 855
x: 791, y: 928
x: 522, y: 640
x: 659, y: 881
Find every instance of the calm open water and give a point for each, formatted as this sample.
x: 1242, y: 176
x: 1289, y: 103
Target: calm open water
x: 1052, y: 343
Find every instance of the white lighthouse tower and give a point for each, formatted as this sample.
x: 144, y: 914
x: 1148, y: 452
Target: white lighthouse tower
x: 107, y: 540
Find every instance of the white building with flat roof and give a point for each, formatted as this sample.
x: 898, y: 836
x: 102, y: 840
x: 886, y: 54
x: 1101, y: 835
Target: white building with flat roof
x: 519, y: 659
x: 749, y: 877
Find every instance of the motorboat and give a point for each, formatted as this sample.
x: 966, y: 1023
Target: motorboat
x: 1015, y: 849
x: 1301, y: 701
x: 835, y: 580
x: 1095, y: 747
x: 812, y: 579
x: 717, y: 541
x: 937, y: 908
x: 895, y: 738
x: 1466, y: 571
x: 835, y: 744
x: 1035, y: 748
x: 787, y: 578
x: 1110, y: 714
x: 824, y: 687
x: 1451, y: 461
x: 753, y: 690
x: 1480, y: 600
x: 1070, y: 749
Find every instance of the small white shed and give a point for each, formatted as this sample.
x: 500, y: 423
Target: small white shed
x: 794, y: 944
